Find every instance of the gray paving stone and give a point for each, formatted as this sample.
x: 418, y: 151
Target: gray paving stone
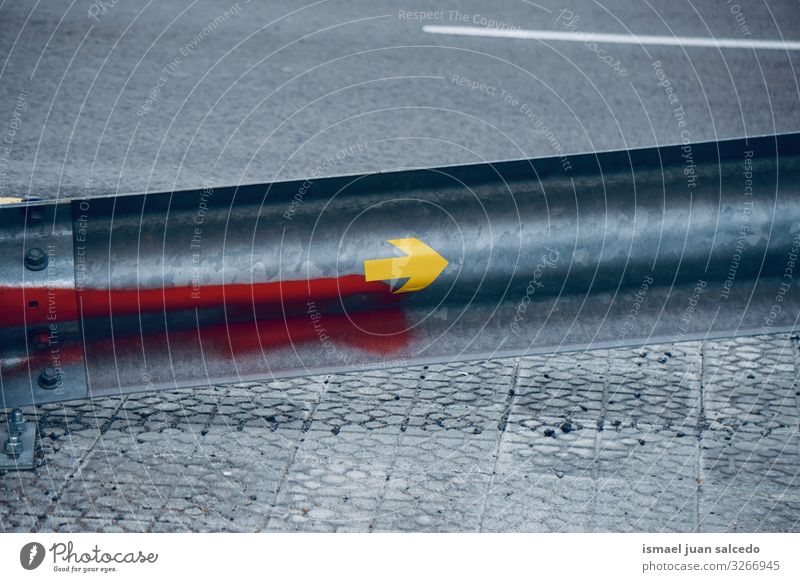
x: 225, y: 506
x: 69, y: 524
x: 668, y: 438
x: 523, y: 451
x: 536, y: 502
x: 371, y: 401
x: 561, y: 387
x: 444, y: 452
x: 751, y: 383
x: 303, y: 389
x: 438, y: 481
x: 748, y: 462
x: 432, y: 502
x: 735, y: 510
x: 255, y: 459
x: 646, y: 481
x: 336, y: 481
x: 62, y: 458
x: 237, y: 412
x: 470, y: 398
x: 24, y: 491
x: 17, y: 522
x: 112, y: 499
x: 750, y: 481
x: 654, y: 386
x: 542, y: 483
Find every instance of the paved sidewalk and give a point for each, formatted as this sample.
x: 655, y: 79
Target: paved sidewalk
x: 694, y: 436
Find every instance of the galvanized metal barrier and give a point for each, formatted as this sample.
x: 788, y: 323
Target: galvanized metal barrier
x: 108, y: 296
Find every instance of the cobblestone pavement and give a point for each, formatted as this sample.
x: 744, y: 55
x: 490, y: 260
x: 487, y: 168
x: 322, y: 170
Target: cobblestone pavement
x: 686, y: 437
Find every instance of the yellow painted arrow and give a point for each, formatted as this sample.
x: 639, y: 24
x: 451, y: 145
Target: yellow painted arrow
x: 421, y: 265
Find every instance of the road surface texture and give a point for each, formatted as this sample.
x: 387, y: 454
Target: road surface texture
x: 116, y: 97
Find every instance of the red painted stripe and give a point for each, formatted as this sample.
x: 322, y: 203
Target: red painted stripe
x: 41, y: 305
x: 381, y: 333
x: 380, y: 330
x: 37, y: 306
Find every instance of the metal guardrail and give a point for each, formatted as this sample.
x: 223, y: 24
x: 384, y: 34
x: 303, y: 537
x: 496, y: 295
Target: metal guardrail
x: 108, y: 296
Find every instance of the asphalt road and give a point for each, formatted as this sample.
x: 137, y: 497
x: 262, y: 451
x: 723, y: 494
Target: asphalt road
x: 127, y: 97
x: 171, y: 94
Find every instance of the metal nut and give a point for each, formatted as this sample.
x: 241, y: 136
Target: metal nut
x: 49, y: 378
x: 13, y: 446
x: 36, y: 259
x: 16, y: 422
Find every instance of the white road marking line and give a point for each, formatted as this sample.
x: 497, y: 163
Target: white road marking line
x: 612, y: 38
